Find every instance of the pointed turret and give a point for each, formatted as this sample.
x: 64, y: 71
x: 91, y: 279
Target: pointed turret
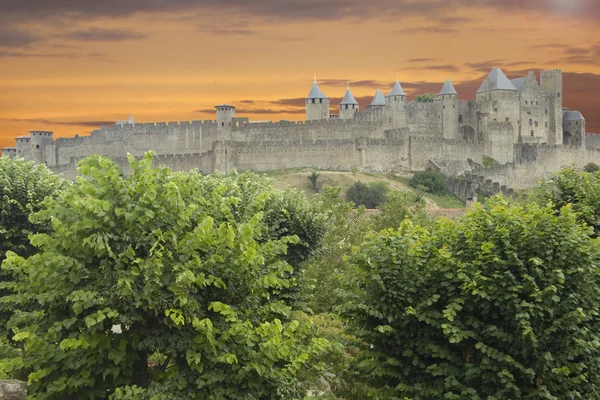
x: 317, y: 104
x: 348, y: 105
x: 378, y: 101
x: 496, y: 80
x: 448, y: 88
x: 396, y: 90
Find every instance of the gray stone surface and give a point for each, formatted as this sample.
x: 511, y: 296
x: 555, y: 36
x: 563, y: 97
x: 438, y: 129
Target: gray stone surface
x: 13, y: 390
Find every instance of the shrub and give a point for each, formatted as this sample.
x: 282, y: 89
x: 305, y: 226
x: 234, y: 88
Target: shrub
x: 488, y: 161
x: 432, y: 181
x: 370, y: 196
x: 591, y: 167
x: 501, y: 305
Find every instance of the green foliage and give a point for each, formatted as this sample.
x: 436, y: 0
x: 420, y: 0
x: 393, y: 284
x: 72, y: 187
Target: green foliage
x: 591, y: 167
x: 397, y: 207
x: 370, y: 196
x: 347, y: 228
x: 425, y: 98
x: 488, y: 161
x: 190, y: 267
x: 502, y: 305
x: 313, y: 178
x: 429, y: 181
x: 581, y: 189
x: 23, y: 188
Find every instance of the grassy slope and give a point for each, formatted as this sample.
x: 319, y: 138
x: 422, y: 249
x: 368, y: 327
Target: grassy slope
x: 298, y: 178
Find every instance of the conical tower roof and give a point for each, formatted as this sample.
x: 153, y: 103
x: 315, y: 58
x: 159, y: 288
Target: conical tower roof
x: 378, y: 100
x: 315, y: 92
x: 396, y: 90
x: 348, y: 98
x: 448, y: 88
x: 498, y: 81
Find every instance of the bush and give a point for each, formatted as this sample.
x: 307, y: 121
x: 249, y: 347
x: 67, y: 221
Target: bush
x: 501, y: 305
x: 432, y: 181
x: 370, y: 196
x: 488, y: 161
x: 190, y: 267
x: 591, y: 167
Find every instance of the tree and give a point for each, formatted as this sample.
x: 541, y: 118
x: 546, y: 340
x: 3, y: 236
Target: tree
x: 581, y: 189
x: 501, y: 305
x: 370, y: 195
x: 23, y: 188
x: 188, y: 271
x: 313, y: 178
x: 425, y: 98
x: 591, y: 167
x: 396, y: 208
x: 428, y: 181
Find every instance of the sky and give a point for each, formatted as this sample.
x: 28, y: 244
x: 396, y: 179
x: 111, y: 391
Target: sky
x: 69, y: 66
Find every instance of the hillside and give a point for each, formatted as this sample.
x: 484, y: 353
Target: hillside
x: 298, y: 178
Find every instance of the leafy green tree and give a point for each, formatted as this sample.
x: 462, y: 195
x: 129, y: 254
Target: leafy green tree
x: 591, y: 167
x: 161, y: 266
x: 501, y: 305
x: 370, y: 196
x: 314, y: 178
x: 429, y: 181
x: 425, y: 98
x: 488, y: 161
x: 581, y: 189
x: 23, y: 188
x: 397, y: 207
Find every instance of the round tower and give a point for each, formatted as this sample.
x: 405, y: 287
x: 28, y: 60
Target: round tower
x: 317, y: 104
x: 39, y: 141
x: 225, y: 114
x: 378, y: 101
x: 348, y: 105
x: 449, y: 99
x: 395, y: 102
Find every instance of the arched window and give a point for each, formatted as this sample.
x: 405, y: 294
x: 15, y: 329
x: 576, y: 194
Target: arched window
x: 530, y: 122
x: 460, y: 119
x: 313, y: 100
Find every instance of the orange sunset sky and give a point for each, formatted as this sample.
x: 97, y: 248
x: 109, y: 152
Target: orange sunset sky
x: 70, y: 66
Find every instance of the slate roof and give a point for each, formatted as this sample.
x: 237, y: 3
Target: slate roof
x: 23, y: 137
x: 9, y: 148
x: 448, y: 88
x: 396, y: 90
x: 519, y: 83
x: 498, y: 81
x: 224, y: 105
x: 349, y: 98
x: 315, y: 92
x: 378, y: 100
x: 573, y: 115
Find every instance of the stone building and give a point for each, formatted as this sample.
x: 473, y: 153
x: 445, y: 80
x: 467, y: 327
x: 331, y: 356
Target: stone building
x: 507, y: 119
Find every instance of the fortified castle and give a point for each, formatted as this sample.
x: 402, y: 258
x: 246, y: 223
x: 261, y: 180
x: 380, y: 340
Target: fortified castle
x: 521, y: 123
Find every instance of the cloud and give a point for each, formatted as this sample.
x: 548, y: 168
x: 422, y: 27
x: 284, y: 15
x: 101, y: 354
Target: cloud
x: 19, y: 54
x: 418, y: 60
x: 447, y: 67
x: 427, y: 29
x: 322, y: 10
x: 12, y: 37
x: 455, y: 20
x: 93, y: 124
x: 104, y: 35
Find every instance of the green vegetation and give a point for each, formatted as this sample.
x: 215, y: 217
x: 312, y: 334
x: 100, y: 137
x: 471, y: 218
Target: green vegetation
x: 163, y: 285
x: 591, y: 167
x: 370, y: 196
x: 428, y: 181
x: 188, y: 267
x: 425, y: 98
x: 313, y: 178
x: 488, y: 161
x: 501, y: 305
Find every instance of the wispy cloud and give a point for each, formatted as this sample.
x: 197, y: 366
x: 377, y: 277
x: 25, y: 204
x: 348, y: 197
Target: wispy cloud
x: 104, y: 35
x: 42, y: 121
